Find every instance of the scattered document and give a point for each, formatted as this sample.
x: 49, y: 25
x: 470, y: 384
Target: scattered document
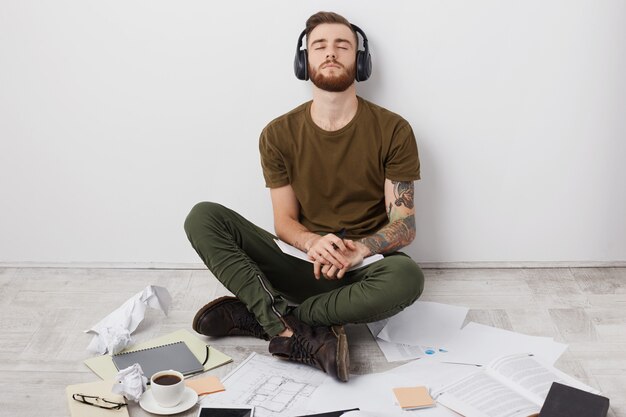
x: 511, y: 386
x: 394, y: 352
x: 478, y: 344
x: 373, y: 393
x: 295, y: 252
x: 112, y: 333
x: 274, y: 387
x: 397, y: 352
x: 425, y: 323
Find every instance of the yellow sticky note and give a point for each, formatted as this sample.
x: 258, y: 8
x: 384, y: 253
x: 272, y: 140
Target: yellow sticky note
x: 206, y: 385
x: 413, y: 397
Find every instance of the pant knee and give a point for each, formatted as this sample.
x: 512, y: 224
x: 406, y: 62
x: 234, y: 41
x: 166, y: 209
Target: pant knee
x: 200, y: 215
x: 408, y: 280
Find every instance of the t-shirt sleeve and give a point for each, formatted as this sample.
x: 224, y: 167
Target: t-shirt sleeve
x: 402, y: 162
x: 272, y: 161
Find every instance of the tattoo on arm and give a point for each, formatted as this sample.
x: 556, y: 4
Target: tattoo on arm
x: 392, y: 237
x: 403, y: 192
x: 400, y: 231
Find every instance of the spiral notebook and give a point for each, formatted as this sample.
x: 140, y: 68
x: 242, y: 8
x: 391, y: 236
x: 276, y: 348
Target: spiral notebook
x: 176, y: 356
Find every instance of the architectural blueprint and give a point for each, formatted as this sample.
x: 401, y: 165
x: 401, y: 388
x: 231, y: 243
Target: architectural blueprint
x: 274, y: 387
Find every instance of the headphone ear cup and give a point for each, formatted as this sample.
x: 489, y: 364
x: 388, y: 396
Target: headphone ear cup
x: 301, y: 65
x: 363, y: 65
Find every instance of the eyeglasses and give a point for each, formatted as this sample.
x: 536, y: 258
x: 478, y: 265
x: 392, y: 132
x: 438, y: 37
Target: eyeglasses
x: 98, y: 402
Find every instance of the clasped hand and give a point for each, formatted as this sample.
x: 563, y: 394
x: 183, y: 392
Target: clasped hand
x: 332, y: 256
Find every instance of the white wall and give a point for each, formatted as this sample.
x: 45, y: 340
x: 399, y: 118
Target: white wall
x: 117, y: 116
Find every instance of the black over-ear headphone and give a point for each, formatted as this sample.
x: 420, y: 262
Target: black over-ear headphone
x: 363, y: 59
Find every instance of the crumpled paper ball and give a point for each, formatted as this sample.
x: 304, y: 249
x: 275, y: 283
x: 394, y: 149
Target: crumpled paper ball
x: 113, y: 339
x: 112, y: 333
x: 130, y: 382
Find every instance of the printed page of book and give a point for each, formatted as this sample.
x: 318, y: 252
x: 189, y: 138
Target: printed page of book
x: 482, y: 395
x: 530, y: 376
x: 526, y: 373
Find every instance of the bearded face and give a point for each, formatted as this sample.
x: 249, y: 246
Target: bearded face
x: 332, y: 76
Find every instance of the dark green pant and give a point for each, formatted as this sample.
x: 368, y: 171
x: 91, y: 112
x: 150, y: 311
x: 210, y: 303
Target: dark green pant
x: 247, y: 261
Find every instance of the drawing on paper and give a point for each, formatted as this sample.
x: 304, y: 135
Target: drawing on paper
x: 274, y: 387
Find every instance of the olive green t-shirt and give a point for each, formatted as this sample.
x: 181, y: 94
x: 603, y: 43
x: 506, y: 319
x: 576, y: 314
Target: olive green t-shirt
x: 338, y: 177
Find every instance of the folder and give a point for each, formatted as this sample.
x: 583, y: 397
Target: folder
x: 100, y: 389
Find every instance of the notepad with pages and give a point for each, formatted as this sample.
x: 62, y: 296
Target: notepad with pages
x: 176, y: 356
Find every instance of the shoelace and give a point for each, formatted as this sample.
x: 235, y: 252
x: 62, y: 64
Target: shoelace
x: 301, y: 350
x: 249, y: 322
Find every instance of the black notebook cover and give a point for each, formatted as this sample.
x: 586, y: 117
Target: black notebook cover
x: 176, y: 356
x: 566, y: 401
x: 338, y: 413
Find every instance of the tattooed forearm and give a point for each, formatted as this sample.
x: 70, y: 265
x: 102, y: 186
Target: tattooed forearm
x: 400, y: 231
x: 392, y: 237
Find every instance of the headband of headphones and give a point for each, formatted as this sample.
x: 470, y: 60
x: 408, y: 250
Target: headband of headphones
x: 363, y: 59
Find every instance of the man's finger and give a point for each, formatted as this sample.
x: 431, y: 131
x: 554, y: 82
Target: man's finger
x: 331, y: 272
x: 316, y: 269
x: 341, y: 273
x: 325, y: 269
x: 337, y: 243
x: 350, y: 244
x: 335, y: 258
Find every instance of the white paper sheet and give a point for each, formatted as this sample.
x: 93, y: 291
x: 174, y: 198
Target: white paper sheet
x: 295, y: 252
x: 274, y: 387
x: 394, y: 352
x: 373, y: 393
x: 425, y: 324
x: 112, y: 333
x: 479, y: 344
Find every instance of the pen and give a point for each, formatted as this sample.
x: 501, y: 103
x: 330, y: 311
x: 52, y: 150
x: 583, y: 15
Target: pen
x: 340, y: 235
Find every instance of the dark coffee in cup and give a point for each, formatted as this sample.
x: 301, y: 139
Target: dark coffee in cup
x: 167, y: 388
x: 167, y: 379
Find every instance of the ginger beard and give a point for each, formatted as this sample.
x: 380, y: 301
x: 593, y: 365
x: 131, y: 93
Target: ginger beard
x: 335, y: 83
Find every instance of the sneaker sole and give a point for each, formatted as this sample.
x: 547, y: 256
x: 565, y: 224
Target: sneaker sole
x: 208, y: 307
x: 343, y: 356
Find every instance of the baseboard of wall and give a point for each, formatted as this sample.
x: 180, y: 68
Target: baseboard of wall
x: 424, y: 265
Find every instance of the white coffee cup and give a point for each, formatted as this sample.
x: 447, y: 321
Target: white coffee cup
x: 168, y: 388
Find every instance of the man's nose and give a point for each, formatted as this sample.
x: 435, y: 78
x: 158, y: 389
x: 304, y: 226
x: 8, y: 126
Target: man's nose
x: 331, y: 54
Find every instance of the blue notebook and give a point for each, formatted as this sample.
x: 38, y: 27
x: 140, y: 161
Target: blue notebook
x: 176, y: 356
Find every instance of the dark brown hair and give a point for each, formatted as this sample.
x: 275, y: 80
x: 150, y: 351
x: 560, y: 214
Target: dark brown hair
x: 326, y: 17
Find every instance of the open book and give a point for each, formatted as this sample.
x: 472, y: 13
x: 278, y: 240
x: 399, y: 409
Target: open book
x: 510, y: 386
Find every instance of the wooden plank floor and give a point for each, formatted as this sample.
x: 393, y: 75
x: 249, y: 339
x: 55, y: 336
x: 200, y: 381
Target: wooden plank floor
x: 43, y: 312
